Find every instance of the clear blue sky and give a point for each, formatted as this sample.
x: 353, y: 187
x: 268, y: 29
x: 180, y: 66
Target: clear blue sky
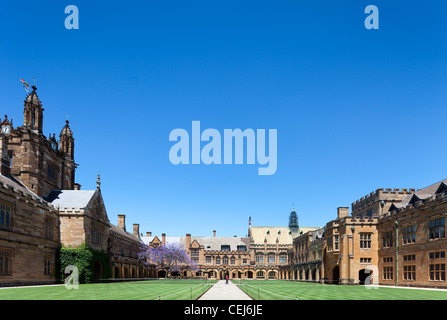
x: 355, y: 109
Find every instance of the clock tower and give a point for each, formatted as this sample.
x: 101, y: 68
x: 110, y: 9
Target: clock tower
x: 42, y: 164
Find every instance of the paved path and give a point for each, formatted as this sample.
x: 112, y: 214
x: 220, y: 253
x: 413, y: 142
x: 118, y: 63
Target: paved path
x: 223, y: 291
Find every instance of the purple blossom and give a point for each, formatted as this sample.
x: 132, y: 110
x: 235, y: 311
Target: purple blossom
x: 172, y: 257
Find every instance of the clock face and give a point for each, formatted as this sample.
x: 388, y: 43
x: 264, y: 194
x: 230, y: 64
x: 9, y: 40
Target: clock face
x: 6, y: 129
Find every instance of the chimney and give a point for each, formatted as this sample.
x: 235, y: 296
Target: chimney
x: 4, y: 157
x: 342, y: 212
x: 77, y: 186
x: 188, y: 241
x: 163, y: 239
x: 148, y: 234
x: 122, y: 221
x: 214, y: 233
x: 136, y: 230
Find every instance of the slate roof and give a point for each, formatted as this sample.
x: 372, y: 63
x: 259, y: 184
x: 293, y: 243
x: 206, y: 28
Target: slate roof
x: 215, y: 243
x: 421, y: 194
x: 208, y: 243
x: 124, y: 234
x: 15, y: 183
x: 78, y: 199
x: 259, y: 234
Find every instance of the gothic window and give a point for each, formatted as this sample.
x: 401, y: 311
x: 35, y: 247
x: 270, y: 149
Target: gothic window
x: 437, y: 228
x: 336, y: 242
x: 5, y: 262
x: 409, y: 234
x: 437, y: 255
x: 48, y: 230
x: 5, y: 215
x: 96, y: 235
x: 225, y: 260
x: 387, y: 239
x: 410, y: 272
x: 232, y: 260
x: 387, y: 273
x: 282, y: 258
x: 51, y: 172
x: 194, y: 253
x: 437, y: 272
x: 47, y: 266
x: 365, y: 240
x: 259, y: 258
x: 271, y: 257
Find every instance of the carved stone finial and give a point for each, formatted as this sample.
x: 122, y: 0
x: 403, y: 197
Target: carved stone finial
x: 98, y: 182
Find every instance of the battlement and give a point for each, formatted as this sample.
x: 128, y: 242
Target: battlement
x: 382, y: 194
x: 360, y: 220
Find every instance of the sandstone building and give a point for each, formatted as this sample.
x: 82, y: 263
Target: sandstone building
x: 42, y: 209
x: 260, y: 255
x: 393, y: 237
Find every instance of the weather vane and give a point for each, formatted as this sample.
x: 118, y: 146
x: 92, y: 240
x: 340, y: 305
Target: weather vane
x: 25, y: 85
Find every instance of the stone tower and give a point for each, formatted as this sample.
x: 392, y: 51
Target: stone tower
x: 66, y: 140
x: 293, y: 222
x: 33, y: 112
x: 39, y: 162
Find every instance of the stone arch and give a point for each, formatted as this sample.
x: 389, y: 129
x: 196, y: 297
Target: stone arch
x: 97, y: 271
x: 161, y: 274
x: 335, y: 274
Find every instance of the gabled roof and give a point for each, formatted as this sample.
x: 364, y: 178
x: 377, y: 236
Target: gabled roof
x: 78, y: 199
x: 208, y: 243
x: 216, y: 243
x: 271, y: 234
x: 442, y: 188
x: 421, y: 194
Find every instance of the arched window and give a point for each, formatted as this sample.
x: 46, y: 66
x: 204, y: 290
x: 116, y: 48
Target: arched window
x: 260, y: 274
x: 271, y: 257
x: 225, y: 260
x: 232, y: 260
x: 271, y: 274
x: 218, y: 260
x: 282, y: 258
x: 5, y: 214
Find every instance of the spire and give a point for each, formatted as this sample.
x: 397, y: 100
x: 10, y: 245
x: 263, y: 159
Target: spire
x: 98, y: 182
x: 33, y: 112
x: 66, y: 140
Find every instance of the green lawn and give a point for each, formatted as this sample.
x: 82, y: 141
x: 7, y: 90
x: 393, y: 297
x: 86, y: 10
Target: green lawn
x: 136, y: 290
x: 192, y: 289
x: 291, y: 290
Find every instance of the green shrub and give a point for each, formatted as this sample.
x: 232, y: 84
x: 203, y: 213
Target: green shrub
x: 83, y: 258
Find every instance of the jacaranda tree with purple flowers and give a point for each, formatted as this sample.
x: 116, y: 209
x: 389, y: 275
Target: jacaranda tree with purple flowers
x: 171, y: 257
